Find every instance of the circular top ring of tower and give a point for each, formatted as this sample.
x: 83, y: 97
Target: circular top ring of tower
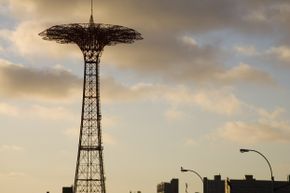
x: 91, y: 36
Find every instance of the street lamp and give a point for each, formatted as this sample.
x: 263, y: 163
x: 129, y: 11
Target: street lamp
x: 188, y: 170
x: 271, y: 171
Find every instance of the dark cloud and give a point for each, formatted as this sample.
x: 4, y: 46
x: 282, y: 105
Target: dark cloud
x: 194, y: 15
x: 181, y: 59
x: 20, y: 81
x: 171, y: 58
x: 167, y: 26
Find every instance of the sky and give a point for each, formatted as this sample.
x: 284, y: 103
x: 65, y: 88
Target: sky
x: 209, y: 78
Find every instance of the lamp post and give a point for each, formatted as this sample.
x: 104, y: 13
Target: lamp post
x: 271, y: 171
x: 188, y: 170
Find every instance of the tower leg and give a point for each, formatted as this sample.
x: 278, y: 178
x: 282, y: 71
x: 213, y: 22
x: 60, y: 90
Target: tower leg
x: 89, y: 176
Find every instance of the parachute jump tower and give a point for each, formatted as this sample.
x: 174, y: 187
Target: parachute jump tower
x: 91, y: 38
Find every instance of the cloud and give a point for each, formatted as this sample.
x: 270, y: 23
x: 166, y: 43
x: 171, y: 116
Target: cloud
x: 39, y: 111
x: 171, y: 15
x: 16, y: 174
x: 18, y: 81
x: 113, y: 91
x: 244, y: 72
x: 191, y: 142
x: 184, y: 60
x: 50, y: 113
x: 13, y: 174
x: 218, y: 101
x: 158, y: 52
x: 169, y: 58
x: 271, y: 13
x: 174, y: 115
x: 221, y: 101
x: 11, y: 148
x: 281, y: 53
x: 107, y: 138
x: 169, y: 50
x: 9, y: 110
x: 246, y: 50
x: 26, y: 35
x: 269, y: 128
x: 28, y: 9
x: 24, y: 82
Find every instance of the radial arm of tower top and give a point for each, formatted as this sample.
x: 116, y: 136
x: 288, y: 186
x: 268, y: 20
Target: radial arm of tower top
x: 100, y: 35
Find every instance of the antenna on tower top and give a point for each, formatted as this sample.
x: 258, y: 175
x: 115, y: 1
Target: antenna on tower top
x: 92, y: 12
x: 92, y: 7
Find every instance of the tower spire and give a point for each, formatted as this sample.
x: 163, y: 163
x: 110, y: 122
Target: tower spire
x: 92, y: 12
x: 92, y: 7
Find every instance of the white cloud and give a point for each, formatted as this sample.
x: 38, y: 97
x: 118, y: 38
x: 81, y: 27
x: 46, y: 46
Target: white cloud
x: 220, y: 101
x: 246, y: 50
x: 9, y: 148
x: 114, y: 91
x: 189, y: 40
x: 191, y: 142
x: 74, y: 133
x: 49, y: 112
x: 256, y: 16
x: 269, y: 128
x: 174, y: 115
x: 281, y: 53
x: 109, y: 139
x: 16, y: 174
x: 12, y: 174
x: 26, y: 35
x: 7, y: 109
x: 53, y: 112
x: 107, y: 122
x: 5, y: 34
x: 245, y: 72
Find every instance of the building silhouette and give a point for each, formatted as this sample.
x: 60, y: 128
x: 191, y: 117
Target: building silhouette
x: 67, y: 189
x: 217, y: 185
x: 247, y: 185
x: 168, y: 187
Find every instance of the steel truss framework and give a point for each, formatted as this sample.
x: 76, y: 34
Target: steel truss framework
x: 91, y: 39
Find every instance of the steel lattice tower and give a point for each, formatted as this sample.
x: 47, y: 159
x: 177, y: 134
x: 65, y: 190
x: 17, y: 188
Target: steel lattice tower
x: 91, y: 38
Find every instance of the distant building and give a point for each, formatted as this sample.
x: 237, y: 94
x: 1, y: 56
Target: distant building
x: 247, y: 185
x: 217, y: 185
x: 135, y: 191
x: 168, y: 187
x: 67, y: 189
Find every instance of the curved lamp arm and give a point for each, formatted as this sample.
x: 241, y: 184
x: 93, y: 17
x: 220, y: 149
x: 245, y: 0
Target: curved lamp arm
x: 248, y: 150
x: 188, y: 170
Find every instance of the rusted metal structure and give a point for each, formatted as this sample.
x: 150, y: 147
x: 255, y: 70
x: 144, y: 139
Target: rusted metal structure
x: 91, y: 38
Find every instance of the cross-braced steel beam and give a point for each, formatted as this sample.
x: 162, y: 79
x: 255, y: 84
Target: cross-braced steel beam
x: 91, y: 39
